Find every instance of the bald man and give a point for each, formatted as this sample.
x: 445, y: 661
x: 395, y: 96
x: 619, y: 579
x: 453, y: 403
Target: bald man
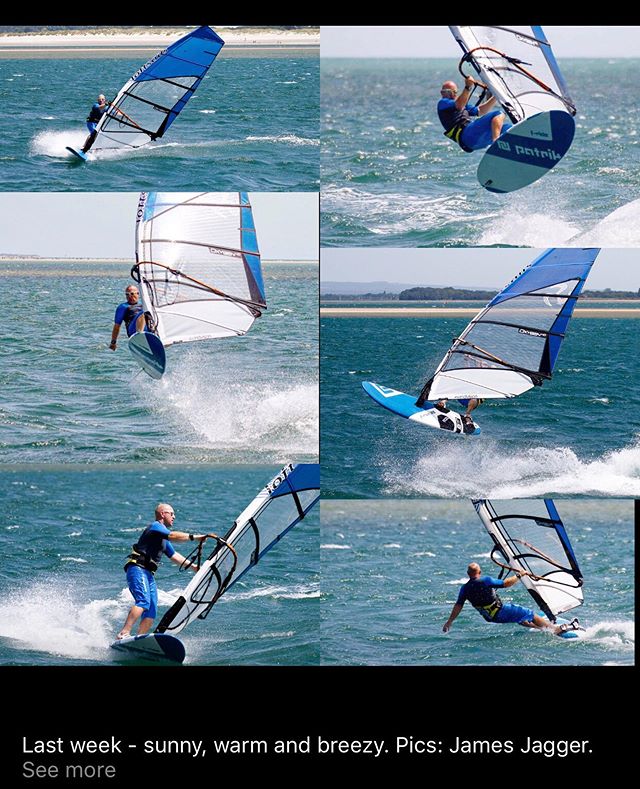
x: 479, y: 590
x: 131, y: 313
x: 143, y: 562
x: 456, y: 116
x: 93, y: 119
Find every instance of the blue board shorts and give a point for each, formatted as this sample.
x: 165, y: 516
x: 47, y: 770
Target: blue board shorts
x: 477, y: 134
x: 142, y: 586
x: 131, y: 326
x: 91, y: 126
x: 510, y: 612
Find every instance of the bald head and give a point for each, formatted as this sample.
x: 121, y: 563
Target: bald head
x: 473, y: 570
x: 448, y: 89
x: 165, y: 514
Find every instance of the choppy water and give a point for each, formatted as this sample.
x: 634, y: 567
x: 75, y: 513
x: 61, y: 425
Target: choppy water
x: 252, y: 125
x: 68, y: 529
x: 391, y: 571
x: 577, y: 434
x: 67, y: 398
x: 390, y: 177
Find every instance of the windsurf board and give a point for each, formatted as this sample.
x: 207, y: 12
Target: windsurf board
x: 526, y: 151
x: 147, y: 349
x: 405, y: 405
x: 152, y: 646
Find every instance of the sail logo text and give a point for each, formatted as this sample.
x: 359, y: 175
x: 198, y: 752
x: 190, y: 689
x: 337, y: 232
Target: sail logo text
x: 146, y: 65
x: 524, y: 150
x: 532, y: 333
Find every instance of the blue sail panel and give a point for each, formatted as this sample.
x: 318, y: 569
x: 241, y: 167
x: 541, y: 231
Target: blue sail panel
x: 304, y: 476
x: 553, y: 64
x: 563, y: 536
x: 249, y: 242
x: 552, y: 267
x: 191, y: 55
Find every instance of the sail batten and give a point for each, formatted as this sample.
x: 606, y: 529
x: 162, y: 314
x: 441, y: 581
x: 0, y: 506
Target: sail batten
x: 198, y: 264
x: 513, y: 343
x: 519, y: 67
x: 281, y: 504
x: 152, y: 99
x: 529, y: 536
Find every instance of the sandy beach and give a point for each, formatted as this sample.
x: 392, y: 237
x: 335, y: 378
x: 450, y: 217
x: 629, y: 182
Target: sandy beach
x: 151, y: 39
x: 462, y: 312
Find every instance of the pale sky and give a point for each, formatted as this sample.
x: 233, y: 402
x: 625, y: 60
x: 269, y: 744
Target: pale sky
x: 365, y: 41
x: 618, y: 269
x: 102, y: 225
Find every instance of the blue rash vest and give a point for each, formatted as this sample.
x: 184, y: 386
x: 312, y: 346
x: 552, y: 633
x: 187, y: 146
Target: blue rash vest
x: 480, y: 592
x: 450, y: 116
x: 96, y: 113
x: 128, y: 313
x: 455, y: 121
x: 152, y: 543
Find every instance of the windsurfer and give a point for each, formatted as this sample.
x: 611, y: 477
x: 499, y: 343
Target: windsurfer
x: 479, y: 590
x: 93, y: 119
x: 456, y: 116
x: 143, y: 562
x: 131, y: 312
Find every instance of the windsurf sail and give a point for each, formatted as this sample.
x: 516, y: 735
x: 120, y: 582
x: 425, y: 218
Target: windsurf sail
x: 279, y: 506
x: 513, y: 343
x: 151, y: 100
x: 529, y: 536
x: 518, y: 66
x: 198, y: 264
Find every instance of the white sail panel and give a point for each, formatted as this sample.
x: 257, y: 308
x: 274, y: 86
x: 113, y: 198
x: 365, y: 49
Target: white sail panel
x: 518, y: 66
x: 468, y: 383
x: 529, y: 536
x: 198, y: 264
x: 279, y: 506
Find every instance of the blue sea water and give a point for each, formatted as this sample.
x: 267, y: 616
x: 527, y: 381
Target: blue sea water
x: 390, y: 177
x: 66, y: 398
x: 66, y: 532
x: 391, y: 571
x: 251, y: 125
x: 578, y: 434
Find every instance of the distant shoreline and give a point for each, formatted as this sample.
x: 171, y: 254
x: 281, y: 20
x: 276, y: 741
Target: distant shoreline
x: 332, y: 304
x: 119, y: 40
x: 461, y: 312
x: 88, y: 262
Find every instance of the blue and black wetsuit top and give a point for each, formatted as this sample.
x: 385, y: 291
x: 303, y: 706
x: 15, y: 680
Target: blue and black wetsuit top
x: 480, y: 592
x: 96, y: 112
x: 128, y: 313
x: 147, y: 552
x: 454, y: 120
